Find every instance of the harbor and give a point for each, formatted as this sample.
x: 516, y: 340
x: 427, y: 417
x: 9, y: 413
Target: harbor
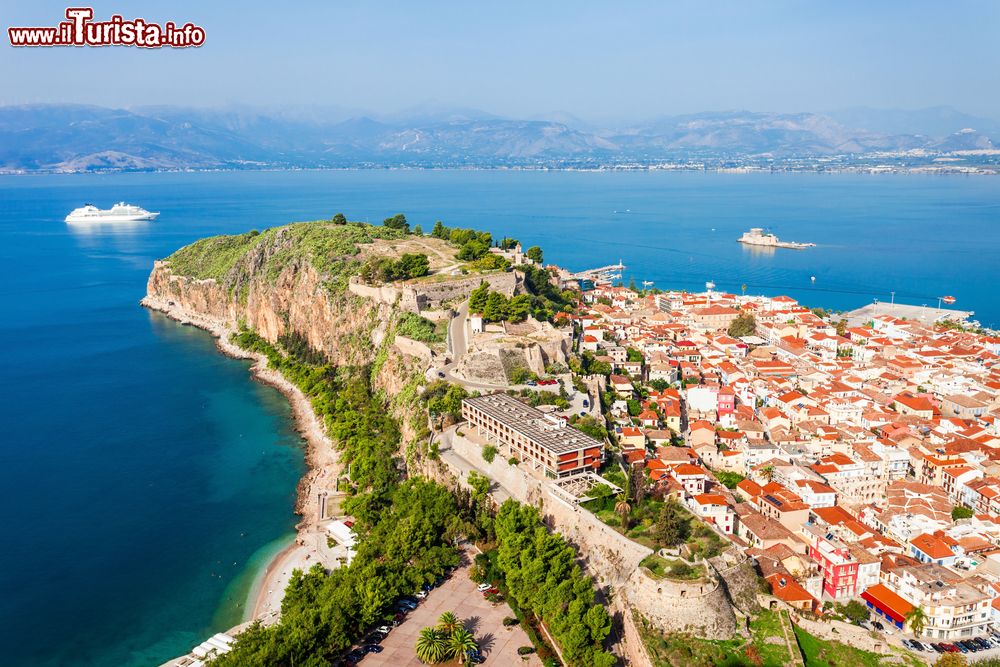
x: 923, y: 314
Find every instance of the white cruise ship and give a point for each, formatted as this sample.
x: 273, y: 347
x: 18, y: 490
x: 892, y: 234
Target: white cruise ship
x: 120, y: 212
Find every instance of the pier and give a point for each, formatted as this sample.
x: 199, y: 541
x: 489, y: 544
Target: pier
x: 923, y: 314
x: 608, y: 273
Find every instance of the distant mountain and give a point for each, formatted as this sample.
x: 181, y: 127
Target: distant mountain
x: 88, y: 138
x: 932, y: 121
x: 965, y: 140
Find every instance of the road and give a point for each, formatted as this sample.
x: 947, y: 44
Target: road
x: 458, y: 345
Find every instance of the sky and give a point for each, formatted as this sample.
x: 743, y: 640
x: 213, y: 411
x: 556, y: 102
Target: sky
x: 596, y: 60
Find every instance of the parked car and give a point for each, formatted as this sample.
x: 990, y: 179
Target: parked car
x: 421, y: 595
x: 937, y: 647
x: 383, y: 629
x: 483, y: 587
x: 372, y: 648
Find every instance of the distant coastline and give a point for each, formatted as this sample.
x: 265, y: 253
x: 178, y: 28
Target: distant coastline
x: 921, y: 170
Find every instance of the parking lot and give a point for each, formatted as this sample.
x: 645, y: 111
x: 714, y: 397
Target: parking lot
x: 993, y: 651
x: 458, y: 594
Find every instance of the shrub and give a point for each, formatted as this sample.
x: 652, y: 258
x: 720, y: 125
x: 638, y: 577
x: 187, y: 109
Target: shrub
x: 525, y: 650
x: 419, y: 328
x: 960, y: 512
x: 509, y: 621
x: 489, y: 453
x: 512, y: 461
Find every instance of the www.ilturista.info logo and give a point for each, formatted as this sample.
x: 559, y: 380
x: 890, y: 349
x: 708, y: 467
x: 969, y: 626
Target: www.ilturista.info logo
x: 80, y: 30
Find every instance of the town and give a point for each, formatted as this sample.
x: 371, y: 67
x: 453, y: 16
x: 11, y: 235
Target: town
x: 857, y: 467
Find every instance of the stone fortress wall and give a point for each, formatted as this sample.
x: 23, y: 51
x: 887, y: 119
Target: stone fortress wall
x: 428, y: 296
x: 701, y: 607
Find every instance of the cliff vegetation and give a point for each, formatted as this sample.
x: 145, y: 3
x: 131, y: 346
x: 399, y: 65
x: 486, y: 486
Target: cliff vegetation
x: 332, y: 249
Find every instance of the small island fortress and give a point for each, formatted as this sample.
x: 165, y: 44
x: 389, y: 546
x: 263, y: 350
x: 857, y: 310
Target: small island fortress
x: 757, y: 236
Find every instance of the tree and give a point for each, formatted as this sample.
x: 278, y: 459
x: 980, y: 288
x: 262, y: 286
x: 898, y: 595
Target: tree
x: 448, y: 623
x: 767, y: 472
x: 472, y: 250
x: 672, y: 527
x: 413, y: 265
x: 855, y: 611
x: 439, y: 231
x: 480, y: 483
x: 534, y: 253
x: 639, y: 483
x: 432, y: 647
x: 744, y: 325
x: 418, y: 230
x: 623, y: 509
x: 916, y: 618
x: 960, y: 512
x: 519, y: 308
x: 339, y: 219
x: 842, y: 327
x: 477, y: 299
x: 460, y: 644
x: 397, y: 221
x: 495, y: 309
x: 633, y: 355
x: 951, y: 660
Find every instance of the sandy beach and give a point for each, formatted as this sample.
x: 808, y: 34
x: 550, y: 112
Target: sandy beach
x: 310, y: 545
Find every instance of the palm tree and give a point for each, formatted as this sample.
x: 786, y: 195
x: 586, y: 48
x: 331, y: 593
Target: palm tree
x: 432, y: 647
x: 916, y: 619
x: 460, y: 644
x: 448, y: 623
x: 767, y: 472
x: 623, y: 509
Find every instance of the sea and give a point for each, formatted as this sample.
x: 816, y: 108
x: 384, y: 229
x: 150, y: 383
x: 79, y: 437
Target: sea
x: 145, y: 478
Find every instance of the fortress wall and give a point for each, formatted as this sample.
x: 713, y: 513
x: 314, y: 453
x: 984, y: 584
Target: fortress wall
x: 700, y: 607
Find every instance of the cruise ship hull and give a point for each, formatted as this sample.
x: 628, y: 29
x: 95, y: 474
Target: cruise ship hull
x: 110, y: 218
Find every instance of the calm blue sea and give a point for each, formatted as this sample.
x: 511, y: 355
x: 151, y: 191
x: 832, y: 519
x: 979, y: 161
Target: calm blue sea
x: 143, y: 475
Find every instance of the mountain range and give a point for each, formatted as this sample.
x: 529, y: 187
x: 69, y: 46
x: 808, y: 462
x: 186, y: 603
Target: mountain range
x: 65, y: 137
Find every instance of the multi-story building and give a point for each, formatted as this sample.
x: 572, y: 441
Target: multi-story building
x: 954, y: 608
x: 527, y: 434
x: 847, y: 569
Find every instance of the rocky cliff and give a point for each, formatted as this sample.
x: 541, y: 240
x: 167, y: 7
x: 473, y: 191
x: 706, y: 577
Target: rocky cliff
x: 293, y: 279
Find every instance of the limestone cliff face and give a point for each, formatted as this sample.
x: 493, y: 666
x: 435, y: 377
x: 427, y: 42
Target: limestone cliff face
x: 349, y: 329
x: 297, y: 300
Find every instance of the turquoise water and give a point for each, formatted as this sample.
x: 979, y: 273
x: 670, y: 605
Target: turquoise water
x: 144, y: 477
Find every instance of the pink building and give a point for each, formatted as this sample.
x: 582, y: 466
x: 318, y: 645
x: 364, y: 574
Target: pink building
x: 727, y: 401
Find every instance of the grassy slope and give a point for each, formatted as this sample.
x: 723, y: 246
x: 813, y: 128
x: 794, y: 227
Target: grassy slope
x: 687, y: 651
x: 324, y: 244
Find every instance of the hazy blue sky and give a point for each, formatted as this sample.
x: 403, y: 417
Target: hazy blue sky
x: 598, y: 60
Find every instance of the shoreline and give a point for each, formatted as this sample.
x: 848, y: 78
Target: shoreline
x: 323, y: 466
